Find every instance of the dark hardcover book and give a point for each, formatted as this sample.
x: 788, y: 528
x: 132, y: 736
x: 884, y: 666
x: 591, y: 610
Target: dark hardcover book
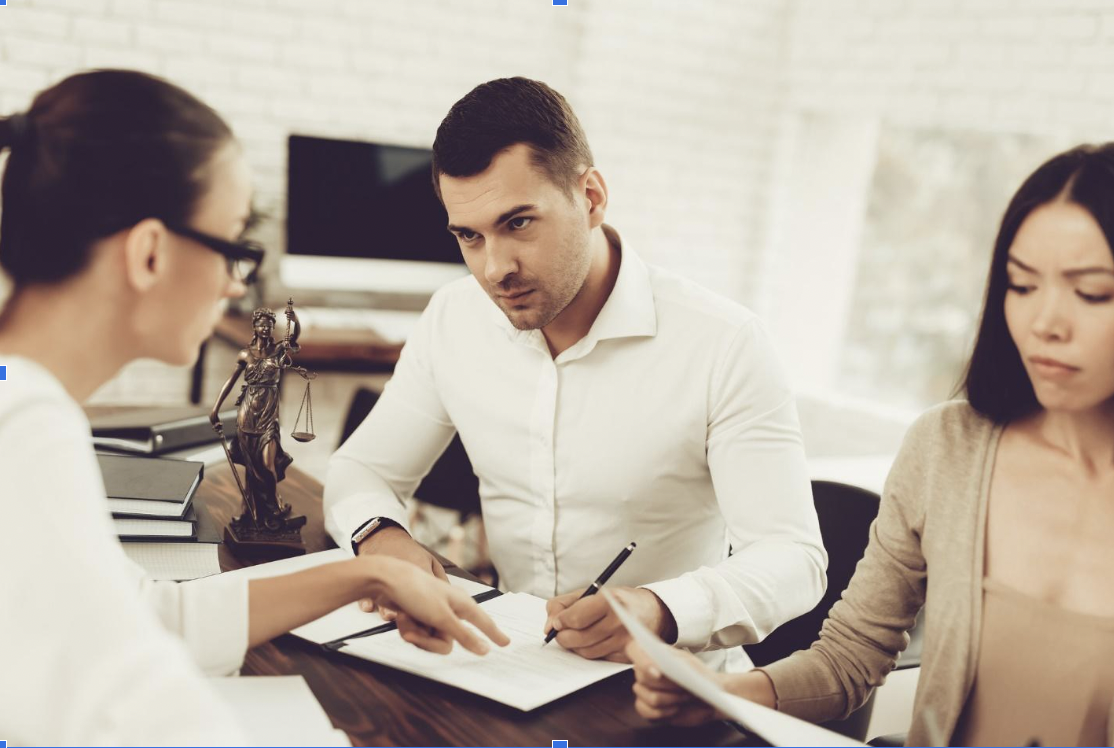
x: 157, y: 430
x: 150, y: 478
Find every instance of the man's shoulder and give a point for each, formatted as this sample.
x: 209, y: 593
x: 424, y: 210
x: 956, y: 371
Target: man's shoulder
x: 677, y: 297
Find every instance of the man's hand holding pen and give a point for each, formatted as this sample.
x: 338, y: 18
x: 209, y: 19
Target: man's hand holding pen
x: 589, y: 627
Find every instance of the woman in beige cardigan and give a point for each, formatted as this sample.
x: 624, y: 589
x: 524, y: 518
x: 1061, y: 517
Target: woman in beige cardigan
x: 1007, y: 498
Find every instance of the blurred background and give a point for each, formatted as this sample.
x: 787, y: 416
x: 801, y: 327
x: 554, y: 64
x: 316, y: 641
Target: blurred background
x: 838, y: 166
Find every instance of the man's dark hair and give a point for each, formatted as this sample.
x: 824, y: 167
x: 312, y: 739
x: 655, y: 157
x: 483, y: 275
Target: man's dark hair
x: 95, y: 154
x: 996, y: 382
x: 501, y: 113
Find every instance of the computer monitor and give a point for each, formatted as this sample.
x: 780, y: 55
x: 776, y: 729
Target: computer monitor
x: 363, y: 217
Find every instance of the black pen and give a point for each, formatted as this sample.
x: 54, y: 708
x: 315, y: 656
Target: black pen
x: 337, y: 644
x: 595, y: 586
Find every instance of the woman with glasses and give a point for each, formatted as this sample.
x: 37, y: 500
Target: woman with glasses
x: 123, y: 202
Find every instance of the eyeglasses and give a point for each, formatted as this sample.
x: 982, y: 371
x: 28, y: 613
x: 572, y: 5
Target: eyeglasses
x: 244, y: 258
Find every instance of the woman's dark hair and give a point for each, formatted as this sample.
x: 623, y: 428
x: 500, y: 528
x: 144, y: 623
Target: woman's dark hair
x: 495, y: 115
x: 996, y: 382
x: 95, y: 154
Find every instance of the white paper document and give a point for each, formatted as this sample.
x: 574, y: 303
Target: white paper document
x: 279, y: 711
x: 772, y: 726
x: 176, y: 562
x: 524, y: 674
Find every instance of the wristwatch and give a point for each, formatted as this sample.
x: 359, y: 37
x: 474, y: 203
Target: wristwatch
x: 367, y: 529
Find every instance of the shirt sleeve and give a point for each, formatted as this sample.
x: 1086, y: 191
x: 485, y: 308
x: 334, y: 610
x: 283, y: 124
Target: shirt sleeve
x: 868, y: 627
x: 757, y: 462
x: 378, y: 469
x: 85, y: 660
x: 210, y: 615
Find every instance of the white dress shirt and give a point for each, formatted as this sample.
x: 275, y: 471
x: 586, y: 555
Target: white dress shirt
x: 669, y: 424
x: 92, y: 652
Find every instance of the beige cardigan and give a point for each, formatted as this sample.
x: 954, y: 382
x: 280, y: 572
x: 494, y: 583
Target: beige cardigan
x: 932, y: 516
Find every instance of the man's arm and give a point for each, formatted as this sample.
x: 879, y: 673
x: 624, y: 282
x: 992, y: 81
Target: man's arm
x: 377, y: 470
x: 757, y: 461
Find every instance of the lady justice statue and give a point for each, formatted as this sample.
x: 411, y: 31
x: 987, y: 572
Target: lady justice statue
x: 265, y: 523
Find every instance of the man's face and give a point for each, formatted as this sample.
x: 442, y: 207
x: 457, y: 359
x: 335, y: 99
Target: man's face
x: 523, y: 238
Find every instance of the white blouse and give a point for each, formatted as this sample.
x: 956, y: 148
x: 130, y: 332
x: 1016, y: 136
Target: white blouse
x: 92, y: 652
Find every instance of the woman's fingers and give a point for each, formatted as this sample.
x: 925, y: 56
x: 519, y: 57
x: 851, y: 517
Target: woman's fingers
x: 423, y: 637
x: 660, y: 699
x: 470, y: 611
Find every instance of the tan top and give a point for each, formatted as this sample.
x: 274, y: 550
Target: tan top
x: 1026, y: 641
x: 933, y: 514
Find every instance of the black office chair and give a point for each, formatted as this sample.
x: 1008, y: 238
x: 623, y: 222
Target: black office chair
x: 451, y: 483
x: 845, y: 514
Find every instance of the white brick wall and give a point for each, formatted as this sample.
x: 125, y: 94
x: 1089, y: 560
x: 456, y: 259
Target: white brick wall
x: 683, y: 102
x: 1017, y: 66
x: 677, y: 98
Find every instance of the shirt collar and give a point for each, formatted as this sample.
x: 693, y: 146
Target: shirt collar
x: 628, y: 312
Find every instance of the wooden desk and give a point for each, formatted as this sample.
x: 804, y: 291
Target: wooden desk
x: 376, y: 705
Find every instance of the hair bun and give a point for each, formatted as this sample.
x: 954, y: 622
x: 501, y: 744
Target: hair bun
x: 13, y: 129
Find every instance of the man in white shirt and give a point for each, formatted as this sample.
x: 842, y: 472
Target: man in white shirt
x: 601, y: 401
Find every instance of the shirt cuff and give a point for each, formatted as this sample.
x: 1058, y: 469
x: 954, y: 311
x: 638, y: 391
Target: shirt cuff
x: 349, y: 515
x: 215, y: 622
x: 691, y: 607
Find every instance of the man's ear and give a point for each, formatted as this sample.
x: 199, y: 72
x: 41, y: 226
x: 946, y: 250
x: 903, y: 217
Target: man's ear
x: 145, y: 253
x: 595, y: 191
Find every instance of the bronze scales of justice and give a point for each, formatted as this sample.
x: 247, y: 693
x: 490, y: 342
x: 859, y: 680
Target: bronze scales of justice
x: 266, y: 526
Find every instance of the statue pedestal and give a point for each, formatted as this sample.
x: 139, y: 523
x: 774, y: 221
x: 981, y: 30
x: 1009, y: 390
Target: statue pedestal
x: 247, y: 540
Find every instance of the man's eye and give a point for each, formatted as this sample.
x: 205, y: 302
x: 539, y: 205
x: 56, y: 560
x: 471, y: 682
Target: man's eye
x: 467, y: 236
x: 519, y: 222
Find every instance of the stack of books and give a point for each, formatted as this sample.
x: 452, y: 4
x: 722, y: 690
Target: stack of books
x: 153, y: 461
x: 151, y: 497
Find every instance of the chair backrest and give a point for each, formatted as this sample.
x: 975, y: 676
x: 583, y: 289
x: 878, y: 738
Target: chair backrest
x: 450, y: 484
x: 845, y: 514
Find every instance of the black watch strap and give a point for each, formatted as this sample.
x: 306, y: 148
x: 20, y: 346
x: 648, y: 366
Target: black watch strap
x: 363, y: 534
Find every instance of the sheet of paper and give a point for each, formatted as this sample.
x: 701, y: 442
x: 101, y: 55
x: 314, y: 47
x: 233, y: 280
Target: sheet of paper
x: 279, y: 711
x: 523, y: 674
x: 344, y: 621
x: 771, y: 725
x: 175, y: 562
x: 164, y: 527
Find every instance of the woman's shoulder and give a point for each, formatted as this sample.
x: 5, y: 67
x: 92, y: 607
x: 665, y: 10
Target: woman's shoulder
x: 31, y: 388
x: 948, y: 427
x: 944, y: 450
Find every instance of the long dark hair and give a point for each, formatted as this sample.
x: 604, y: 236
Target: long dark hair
x: 996, y: 382
x: 95, y: 154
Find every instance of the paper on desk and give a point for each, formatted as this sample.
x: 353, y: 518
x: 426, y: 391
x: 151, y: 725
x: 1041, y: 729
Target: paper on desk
x: 176, y: 562
x: 523, y: 674
x: 343, y: 621
x: 773, y: 726
x: 279, y: 711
